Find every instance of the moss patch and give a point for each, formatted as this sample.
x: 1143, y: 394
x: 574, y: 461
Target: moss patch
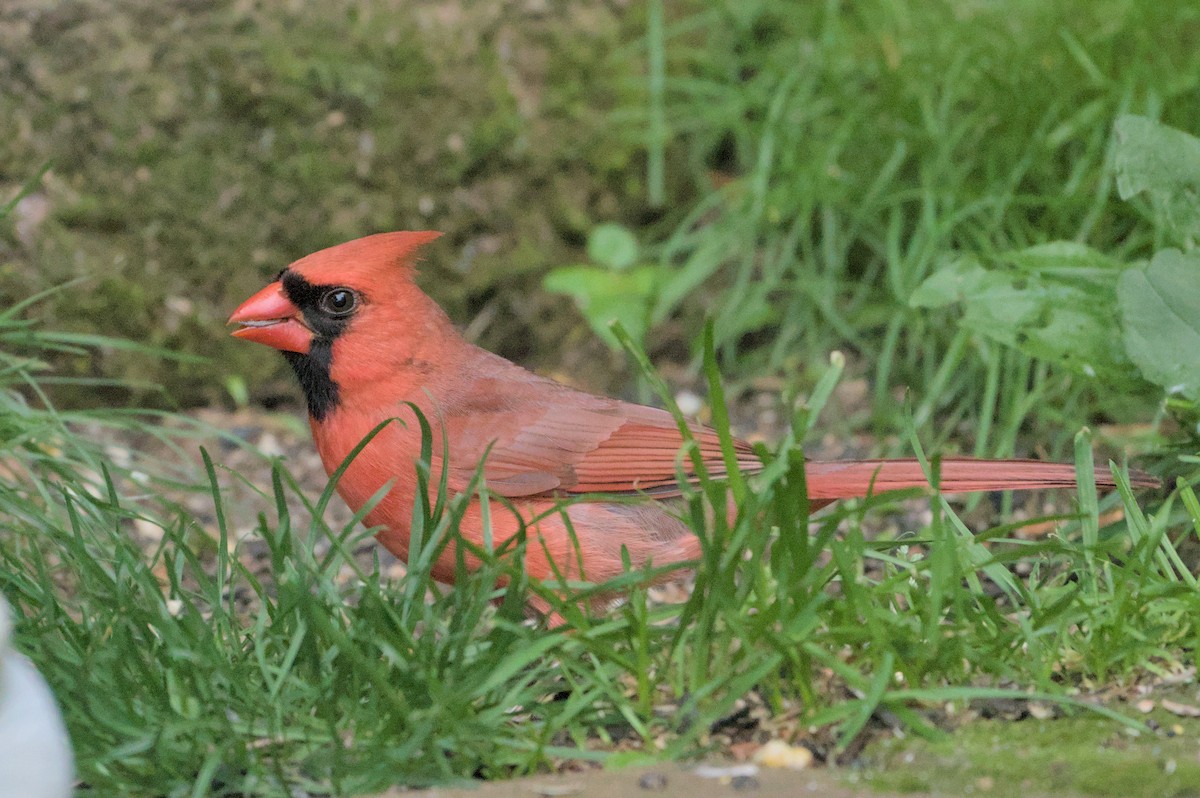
x: 1075, y: 756
x: 196, y: 148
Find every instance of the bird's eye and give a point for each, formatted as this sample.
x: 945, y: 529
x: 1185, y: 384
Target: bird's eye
x: 338, y: 302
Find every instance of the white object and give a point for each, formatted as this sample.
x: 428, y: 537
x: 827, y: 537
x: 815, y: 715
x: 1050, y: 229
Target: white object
x: 35, y: 752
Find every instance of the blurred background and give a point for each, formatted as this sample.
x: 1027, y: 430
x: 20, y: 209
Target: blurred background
x: 794, y: 170
x: 991, y: 207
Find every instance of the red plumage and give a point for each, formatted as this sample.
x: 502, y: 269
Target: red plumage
x: 395, y: 345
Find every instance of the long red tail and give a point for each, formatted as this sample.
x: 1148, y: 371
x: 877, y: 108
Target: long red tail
x: 846, y: 479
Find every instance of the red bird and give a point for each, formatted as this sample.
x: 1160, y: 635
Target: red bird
x: 364, y: 340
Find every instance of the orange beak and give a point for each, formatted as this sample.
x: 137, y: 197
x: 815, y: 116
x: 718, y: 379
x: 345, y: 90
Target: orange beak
x: 270, y: 318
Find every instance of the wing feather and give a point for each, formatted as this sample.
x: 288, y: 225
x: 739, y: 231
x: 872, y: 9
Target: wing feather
x: 559, y: 441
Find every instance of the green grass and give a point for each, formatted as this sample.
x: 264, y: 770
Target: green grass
x: 182, y: 670
x: 867, y: 144
x: 860, y: 148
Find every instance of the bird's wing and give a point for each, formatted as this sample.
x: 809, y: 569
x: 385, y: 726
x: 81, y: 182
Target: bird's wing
x: 545, y: 438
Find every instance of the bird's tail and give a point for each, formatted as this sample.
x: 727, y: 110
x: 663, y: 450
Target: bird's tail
x: 845, y: 479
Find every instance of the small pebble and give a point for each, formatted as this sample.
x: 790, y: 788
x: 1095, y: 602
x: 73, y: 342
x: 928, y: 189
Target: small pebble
x: 778, y: 754
x: 269, y: 445
x: 741, y: 783
x: 730, y: 772
x: 689, y: 403
x: 653, y: 781
x: 1040, y: 711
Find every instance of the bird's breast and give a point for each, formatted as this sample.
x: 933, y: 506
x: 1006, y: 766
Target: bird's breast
x: 389, y: 456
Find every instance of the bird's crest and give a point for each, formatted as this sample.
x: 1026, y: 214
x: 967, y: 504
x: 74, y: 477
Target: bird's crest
x: 369, y: 258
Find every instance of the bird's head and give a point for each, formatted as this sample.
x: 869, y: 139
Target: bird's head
x: 357, y: 299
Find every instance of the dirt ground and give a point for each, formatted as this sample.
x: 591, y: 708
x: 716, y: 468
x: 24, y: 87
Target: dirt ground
x: 668, y: 781
x: 679, y: 781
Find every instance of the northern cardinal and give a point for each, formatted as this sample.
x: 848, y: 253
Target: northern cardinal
x: 364, y: 340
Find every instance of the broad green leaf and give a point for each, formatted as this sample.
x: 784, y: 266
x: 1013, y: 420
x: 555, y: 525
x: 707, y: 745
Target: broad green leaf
x: 604, y: 296
x: 957, y: 279
x: 1058, y: 306
x: 1068, y: 258
x: 1165, y: 164
x: 612, y: 245
x: 1160, y: 312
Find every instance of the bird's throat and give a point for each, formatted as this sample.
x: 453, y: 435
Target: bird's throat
x: 312, y: 370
